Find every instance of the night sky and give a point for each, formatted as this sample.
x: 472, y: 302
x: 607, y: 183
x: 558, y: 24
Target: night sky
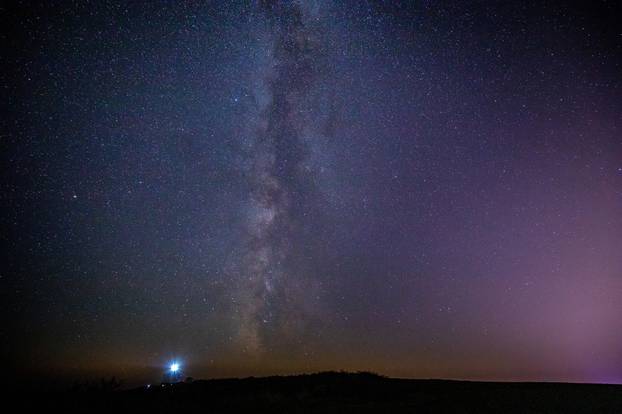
x: 431, y: 189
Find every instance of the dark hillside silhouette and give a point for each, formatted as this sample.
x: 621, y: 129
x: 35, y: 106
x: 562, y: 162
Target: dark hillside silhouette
x: 339, y: 392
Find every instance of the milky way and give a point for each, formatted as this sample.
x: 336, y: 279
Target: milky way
x: 279, y: 175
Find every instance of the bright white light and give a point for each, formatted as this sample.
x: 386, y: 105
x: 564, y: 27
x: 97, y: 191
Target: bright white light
x: 174, y: 367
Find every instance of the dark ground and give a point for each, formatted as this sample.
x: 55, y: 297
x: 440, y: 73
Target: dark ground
x: 337, y: 393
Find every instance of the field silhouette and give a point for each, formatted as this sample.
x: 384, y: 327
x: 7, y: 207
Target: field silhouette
x: 336, y: 392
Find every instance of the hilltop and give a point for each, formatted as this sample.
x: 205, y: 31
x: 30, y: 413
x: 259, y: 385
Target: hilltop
x: 341, y: 392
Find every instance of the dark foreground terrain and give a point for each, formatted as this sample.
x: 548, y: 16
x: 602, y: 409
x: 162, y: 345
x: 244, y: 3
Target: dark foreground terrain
x: 337, y: 393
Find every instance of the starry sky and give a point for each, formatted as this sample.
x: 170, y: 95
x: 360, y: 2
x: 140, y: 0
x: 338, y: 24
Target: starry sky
x: 421, y: 189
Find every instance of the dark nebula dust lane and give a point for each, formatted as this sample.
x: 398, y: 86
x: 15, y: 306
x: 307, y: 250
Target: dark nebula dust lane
x: 422, y: 189
x: 282, y: 183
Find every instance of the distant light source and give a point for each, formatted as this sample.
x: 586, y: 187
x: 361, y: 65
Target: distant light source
x: 174, y: 367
